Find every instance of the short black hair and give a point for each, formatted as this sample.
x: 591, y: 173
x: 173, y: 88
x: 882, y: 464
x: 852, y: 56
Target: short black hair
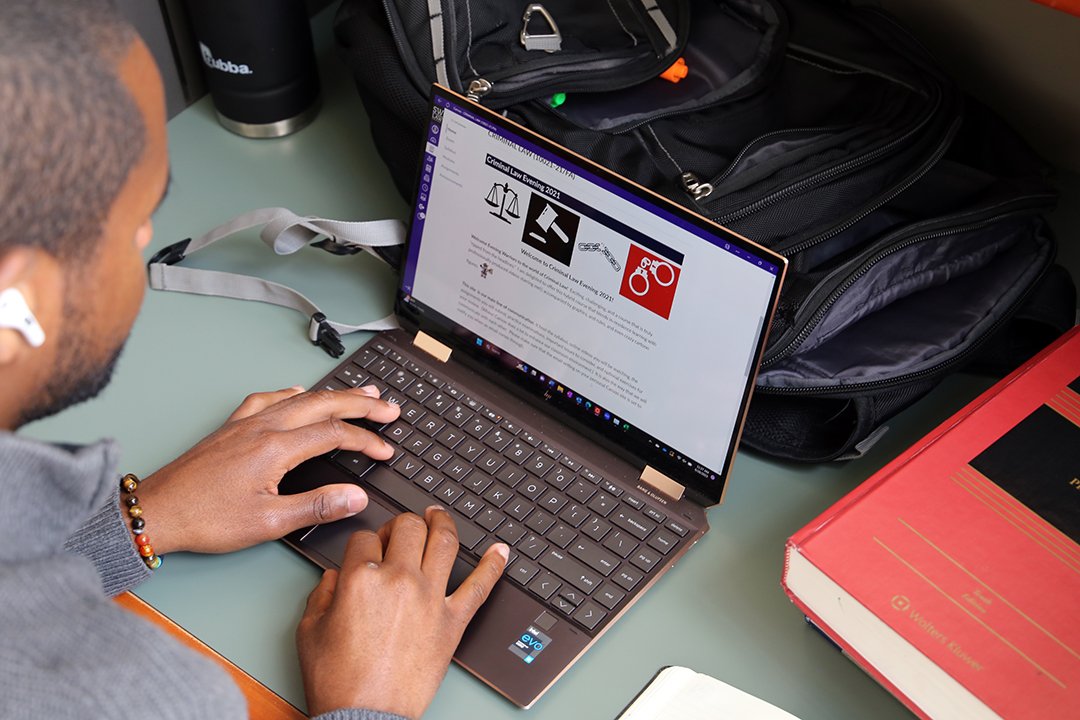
x: 70, y: 132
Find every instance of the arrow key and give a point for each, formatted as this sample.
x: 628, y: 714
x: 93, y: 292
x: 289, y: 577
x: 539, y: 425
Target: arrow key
x: 545, y: 585
x: 589, y: 614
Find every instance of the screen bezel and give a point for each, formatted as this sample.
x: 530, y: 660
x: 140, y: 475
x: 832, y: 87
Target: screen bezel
x: 703, y: 489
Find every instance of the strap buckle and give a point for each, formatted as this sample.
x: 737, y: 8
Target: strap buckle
x: 332, y: 246
x: 322, y: 334
x: 170, y: 254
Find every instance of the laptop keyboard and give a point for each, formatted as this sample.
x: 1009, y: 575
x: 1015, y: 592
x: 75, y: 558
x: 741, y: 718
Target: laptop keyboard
x: 578, y: 542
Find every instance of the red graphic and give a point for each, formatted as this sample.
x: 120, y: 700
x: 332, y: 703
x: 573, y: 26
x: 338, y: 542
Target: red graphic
x: 650, y: 281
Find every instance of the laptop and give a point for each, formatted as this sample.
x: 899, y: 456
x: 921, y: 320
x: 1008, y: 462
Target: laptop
x: 574, y: 365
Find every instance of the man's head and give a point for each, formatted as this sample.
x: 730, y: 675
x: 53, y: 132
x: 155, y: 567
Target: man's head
x: 83, y: 164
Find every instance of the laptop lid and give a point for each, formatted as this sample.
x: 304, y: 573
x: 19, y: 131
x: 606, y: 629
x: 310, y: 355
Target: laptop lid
x: 633, y: 320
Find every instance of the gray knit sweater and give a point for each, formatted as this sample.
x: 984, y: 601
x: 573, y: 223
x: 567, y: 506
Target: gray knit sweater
x: 66, y: 650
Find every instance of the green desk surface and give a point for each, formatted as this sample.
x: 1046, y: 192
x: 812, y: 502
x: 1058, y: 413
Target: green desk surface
x: 191, y: 359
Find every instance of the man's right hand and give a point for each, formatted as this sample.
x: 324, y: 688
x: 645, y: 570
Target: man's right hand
x: 380, y: 633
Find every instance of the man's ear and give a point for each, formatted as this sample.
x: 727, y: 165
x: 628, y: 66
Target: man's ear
x: 31, y: 291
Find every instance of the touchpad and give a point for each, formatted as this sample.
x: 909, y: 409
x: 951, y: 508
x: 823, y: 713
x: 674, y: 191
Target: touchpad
x: 330, y: 540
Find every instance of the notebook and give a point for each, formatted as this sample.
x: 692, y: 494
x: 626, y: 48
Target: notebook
x: 574, y: 364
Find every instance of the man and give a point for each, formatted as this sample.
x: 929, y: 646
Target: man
x: 82, y: 140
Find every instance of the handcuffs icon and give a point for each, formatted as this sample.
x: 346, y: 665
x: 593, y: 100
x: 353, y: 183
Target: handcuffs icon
x: 650, y: 266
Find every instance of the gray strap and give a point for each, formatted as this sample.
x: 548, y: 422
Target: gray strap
x: 285, y: 232
x: 438, y: 51
x: 662, y: 23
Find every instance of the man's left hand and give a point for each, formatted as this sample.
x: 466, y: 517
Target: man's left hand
x: 222, y: 495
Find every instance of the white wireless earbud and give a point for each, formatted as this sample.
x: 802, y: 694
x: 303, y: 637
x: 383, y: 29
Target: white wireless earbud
x: 16, y: 314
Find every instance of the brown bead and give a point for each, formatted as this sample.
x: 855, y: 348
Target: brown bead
x: 131, y: 501
x: 135, y: 511
x: 129, y: 484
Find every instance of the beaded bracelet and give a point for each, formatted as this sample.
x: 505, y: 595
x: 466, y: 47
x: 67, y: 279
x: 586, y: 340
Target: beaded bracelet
x: 128, y: 484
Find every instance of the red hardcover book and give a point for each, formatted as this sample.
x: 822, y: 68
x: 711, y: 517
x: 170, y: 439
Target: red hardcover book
x: 952, y: 576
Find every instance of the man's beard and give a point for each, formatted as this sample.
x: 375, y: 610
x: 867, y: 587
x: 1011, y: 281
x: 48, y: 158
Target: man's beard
x: 79, y: 376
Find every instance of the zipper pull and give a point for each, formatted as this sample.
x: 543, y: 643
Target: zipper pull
x: 693, y: 185
x: 478, y: 88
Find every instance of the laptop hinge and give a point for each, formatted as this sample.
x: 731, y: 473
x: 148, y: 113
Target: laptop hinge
x: 432, y: 346
x: 662, y: 483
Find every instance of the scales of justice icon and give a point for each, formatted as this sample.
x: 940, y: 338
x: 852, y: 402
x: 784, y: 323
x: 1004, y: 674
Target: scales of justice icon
x: 505, y: 199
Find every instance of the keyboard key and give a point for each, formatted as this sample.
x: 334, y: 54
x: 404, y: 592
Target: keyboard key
x: 453, y: 392
x: 379, y: 346
x: 351, y: 376
x: 491, y: 415
x: 448, y: 493
x: 611, y: 488
x: 415, y: 369
x: 511, y: 475
x: 365, y: 357
x: 450, y: 437
x: 490, y: 463
x: 490, y: 519
x: 420, y: 391
x: 539, y: 465
x: 560, y: 478
x: 590, y: 615
x: 620, y: 543
x: 394, y: 398
x: 627, y: 577
x: 398, y: 432
x: 564, y: 606
x: 552, y: 501
x: 570, y: 570
x: 609, y: 595
x: 655, y: 514
x: 428, y: 480
x: 550, y: 451
x: 519, y: 509
x: 545, y: 585
x: 593, y: 556
x: 596, y: 529
x: 412, y: 412
x: 677, y: 528
x: 530, y: 438
x: 477, y: 482
x: 575, y: 515
x: 603, y: 504
x: 431, y: 425
x: 532, y: 546
x: 468, y: 505
x: 511, y: 427
x: 397, y: 357
x: 458, y: 415
x: 646, y: 558
x: 561, y: 535
x: 581, y: 491
x: 408, y: 466
x: 522, y: 571
x: 572, y: 595
x: 570, y: 463
x: 382, y: 368
x: 497, y: 495
x: 417, y: 444
x: 498, y: 439
x: 540, y: 521
x: 473, y: 404
x: 470, y: 450
x: 510, y: 531
x: 439, y: 403
x: 437, y: 456
x: 457, y: 470
x: 518, y: 452
x: 634, y: 502
x: 531, y: 488
x: 589, y: 475
x: 433, y: 380
x: 478, y: 427
x: 636, y: 526
x: 399, y: 379
x: 663, y: 541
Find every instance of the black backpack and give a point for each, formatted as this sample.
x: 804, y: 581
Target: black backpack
x: 910, y: 216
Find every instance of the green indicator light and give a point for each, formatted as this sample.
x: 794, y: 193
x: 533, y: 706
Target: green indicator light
x: 557, y: 99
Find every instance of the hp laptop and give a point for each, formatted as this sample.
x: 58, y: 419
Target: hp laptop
x: 574, y: 366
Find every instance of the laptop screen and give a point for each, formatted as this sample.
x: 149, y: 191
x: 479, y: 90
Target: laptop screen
x: 631, y: 317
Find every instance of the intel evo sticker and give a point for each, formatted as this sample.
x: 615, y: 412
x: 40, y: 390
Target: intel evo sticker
x: 530, y: 644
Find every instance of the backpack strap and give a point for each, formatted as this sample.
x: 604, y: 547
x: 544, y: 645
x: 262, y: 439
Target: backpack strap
x: 284, y: 232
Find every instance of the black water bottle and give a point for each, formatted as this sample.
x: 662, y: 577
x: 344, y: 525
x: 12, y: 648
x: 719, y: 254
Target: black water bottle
x: 259, y: 64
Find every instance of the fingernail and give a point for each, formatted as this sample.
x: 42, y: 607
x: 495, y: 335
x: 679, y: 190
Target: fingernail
x: 435, y: 507
x: 503, y: 550
x: 298, y: 388
x: 370, y: 391
x: 355, y: 501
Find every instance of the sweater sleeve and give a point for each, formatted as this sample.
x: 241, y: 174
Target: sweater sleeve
x: 357, y: 714
x: 105, y: 540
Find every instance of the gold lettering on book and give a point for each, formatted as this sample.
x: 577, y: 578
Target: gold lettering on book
x: 1075, y: 483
